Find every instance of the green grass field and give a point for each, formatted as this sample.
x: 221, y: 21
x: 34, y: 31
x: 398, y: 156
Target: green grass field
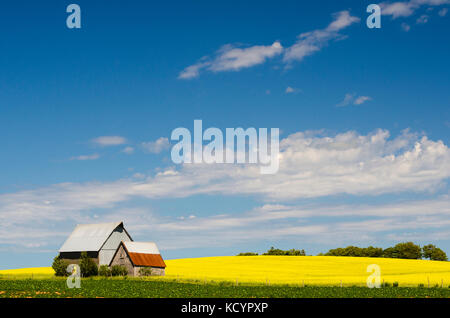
x: 127, y: 288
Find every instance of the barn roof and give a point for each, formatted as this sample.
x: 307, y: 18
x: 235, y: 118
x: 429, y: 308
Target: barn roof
x: 144, y: 254
x: 89, y: 237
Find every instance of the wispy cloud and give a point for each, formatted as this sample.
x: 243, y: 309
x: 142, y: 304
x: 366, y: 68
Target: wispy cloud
x: 405, y: 27
x: 352, y: 98
x: 422, y: 19
x: 443, y: 12
x: 105, y: 141
x: 192, y: 71
x: 361, y: 100
x: 156, y: 146
x: 128, y: 150
x: 407, y: 8
x: 290, y: 90
x: 311, y: 42
x: 231, y: 58
x: 94, y: 156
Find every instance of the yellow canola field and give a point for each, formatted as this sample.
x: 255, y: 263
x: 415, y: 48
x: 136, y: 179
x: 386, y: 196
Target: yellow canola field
x: 34, y: 272
x: 310, y: 270
x: 293, y: 270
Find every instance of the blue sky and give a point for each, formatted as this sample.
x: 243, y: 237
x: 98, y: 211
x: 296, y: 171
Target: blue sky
x: 86, y: 113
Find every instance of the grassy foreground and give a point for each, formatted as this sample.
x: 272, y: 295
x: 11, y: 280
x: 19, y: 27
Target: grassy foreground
x: 292, y: 270
x: 125, y: 288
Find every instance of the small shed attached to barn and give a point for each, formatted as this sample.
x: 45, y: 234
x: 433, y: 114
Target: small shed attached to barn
x: 100, y: 241
x: 139, y: 258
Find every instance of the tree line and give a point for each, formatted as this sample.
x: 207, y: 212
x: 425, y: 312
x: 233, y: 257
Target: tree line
x: 407, y: 250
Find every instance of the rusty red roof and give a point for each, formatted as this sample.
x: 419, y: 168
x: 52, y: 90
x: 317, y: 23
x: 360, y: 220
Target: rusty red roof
x: 144, y: 254
x: 152, y: 260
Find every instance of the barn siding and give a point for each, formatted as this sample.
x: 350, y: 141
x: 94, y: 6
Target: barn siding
x: 109, y: 248
x: 156, y: 271
x: 74, y: 257
x: 121, y: 258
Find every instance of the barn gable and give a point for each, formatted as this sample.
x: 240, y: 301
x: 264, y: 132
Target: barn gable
x: 137, y: 255
x: 99, y: 240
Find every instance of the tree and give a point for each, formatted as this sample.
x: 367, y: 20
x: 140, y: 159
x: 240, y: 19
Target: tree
x: 372, y: 251
x: 433, y: 253
x: 291, y: 252
x: 60, y: 266
x: 407, y: 250
x: 390, y: 252
x: 87, y: 266
x: 427, y: 250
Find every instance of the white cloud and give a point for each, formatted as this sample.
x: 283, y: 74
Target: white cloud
x: 348, y: 98
x: 192, y: 71
x: 361, y: 100
x: 289, y: 90
x: 231, y: 58
x: 351, y: 98
x: 312, y: 164
x: 405, y: 27
x: 157, y: 146
x: 422, y: 19
x: 94, y: 156
x: 398, y: 9
x: 105, y: 141
x: 128, y: 150
x: 311, y: 42
x: 407, y: 8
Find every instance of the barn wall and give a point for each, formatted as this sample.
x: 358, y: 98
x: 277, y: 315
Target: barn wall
x: 74, y: 257
x: 156, y: 271
x: 109, y: 248
x: 121, y: 258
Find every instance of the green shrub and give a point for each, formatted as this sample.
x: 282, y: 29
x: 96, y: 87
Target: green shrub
x: 247, y: 254
x: 119, y: 270
x: 421, y: 286
x: 60, y: 267
x: 145, y: 271
x: 386, y: 284
x: 87, y: 266
x: 104, y: 270
x: 395, y: 284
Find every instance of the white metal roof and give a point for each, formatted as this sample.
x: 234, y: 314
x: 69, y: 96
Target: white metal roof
x: 141, y: 247
x: 88, y: 237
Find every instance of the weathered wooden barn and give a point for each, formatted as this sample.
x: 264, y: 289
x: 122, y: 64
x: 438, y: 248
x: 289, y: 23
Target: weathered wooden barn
x: 100, y: 241
x: 139, y: 258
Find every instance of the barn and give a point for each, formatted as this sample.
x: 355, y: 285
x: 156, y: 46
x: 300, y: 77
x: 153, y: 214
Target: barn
x: 100, y: 241
x: 139, y: 258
